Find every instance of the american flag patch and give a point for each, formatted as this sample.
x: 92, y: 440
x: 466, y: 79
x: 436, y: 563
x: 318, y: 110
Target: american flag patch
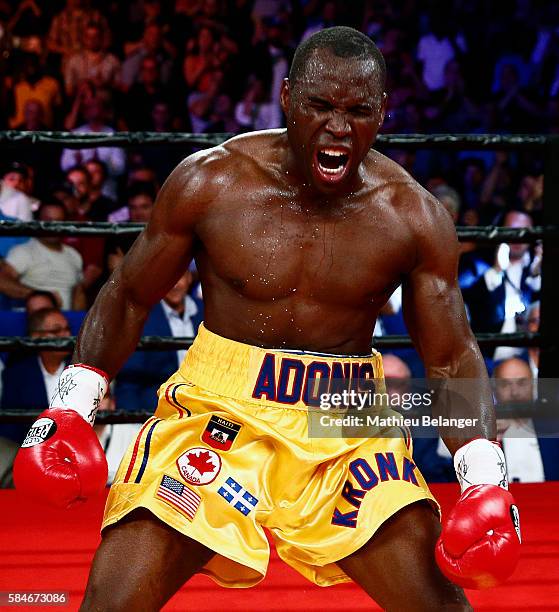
x: 236, y: 495
x: 179, y: 496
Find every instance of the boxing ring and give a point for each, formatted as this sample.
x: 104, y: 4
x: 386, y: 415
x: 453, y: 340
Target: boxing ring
x: 50, y: 550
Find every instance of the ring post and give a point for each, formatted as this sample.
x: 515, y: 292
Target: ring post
x: 549, y: 356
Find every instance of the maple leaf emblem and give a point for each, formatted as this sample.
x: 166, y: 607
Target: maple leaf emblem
x: 201, y: 463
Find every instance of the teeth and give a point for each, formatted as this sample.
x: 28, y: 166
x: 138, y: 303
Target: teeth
x: 332, y: 152
x: 331, y: 170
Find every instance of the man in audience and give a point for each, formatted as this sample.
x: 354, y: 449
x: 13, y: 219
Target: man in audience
x: 96, y: 113
x: 45, y: 263
x: 91, y: 248
x: 13, y: 200
x: 141, y: 198
x: 38, y: 300
x: 101, y: 204
x: 92, y: 64
x: 66, y: 34
x: 153, y: 44
x: 38, y: 374
x: 429, y: 452
x: 178, y: 315
x: 505, y: 289
x: 531, y: 457
x: 449, y: 198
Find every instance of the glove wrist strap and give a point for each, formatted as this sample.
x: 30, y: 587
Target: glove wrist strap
x: 481, y: 462
x: 80, y: 388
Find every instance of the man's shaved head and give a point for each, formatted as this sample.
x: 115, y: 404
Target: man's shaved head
x: 342, y: 42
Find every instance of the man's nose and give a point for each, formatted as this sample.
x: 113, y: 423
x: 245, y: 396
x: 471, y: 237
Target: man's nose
x: 337, y: 125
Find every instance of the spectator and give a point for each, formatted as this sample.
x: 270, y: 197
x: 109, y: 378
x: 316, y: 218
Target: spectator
x: 92, y: 64
x: 327, y: 20
x: 38, y: 300
x: 13, y: 201
x: 450, y: 108
x: 200, y: 59
x: 515, y: 108
x: 473, y: 173
x: 177, y: 315
x: 450, y: 199
x: 146, y: 92
x: 435, y: 49
x: 101, y: 205
x: 506, y: 288
x: 91, y: 248
x: 45, y: 263
x: 67, y: 31
x: 518, y: 437
x: 271, y: 57
x: 33, y: 117
x: 255, y: 111
x: 530, y: 195
x: 497, y: 192
x: 429, y: 452
x: 141, y: 198
x: 88, y: 207
x: 38, y: 374
x: 201, y: 103
x: 532, y: 325
x: 114, y: 158
x: 34, y: 84
x: 154, y: 45
x: 28, y: 23
x: 161, y: 160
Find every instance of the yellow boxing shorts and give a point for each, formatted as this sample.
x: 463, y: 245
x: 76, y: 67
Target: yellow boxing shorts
x: 228, y: 453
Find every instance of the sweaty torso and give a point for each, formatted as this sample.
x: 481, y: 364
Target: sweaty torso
x: 283, y: 269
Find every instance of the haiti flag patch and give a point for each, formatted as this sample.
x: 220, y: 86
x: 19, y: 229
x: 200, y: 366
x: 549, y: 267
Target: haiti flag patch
x: 220, y: 433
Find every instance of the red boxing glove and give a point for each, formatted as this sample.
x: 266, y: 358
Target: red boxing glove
x: 61, y: 459
x: 480, y: 540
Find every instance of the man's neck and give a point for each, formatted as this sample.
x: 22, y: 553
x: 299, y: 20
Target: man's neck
x: 57, y: 246
x: 178, y: 308
x: 51, y: 362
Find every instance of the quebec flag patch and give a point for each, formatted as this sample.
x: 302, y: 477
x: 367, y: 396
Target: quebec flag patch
x: 236, y: 495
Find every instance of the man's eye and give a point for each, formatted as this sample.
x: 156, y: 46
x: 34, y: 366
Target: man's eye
x: 322, y: 106
x: 360, y: 112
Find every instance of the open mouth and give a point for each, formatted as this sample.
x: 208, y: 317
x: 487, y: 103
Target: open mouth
x: 332, y: 164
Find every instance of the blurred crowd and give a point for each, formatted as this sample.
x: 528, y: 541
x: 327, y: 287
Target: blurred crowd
x: 206, y: 66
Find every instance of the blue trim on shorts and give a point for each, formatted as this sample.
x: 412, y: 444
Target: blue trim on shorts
x: 146, y: 452
x: 315, y: 354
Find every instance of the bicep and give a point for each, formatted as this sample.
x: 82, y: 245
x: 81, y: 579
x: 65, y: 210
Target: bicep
x: 16, y: 263
x: 432, y: 302
x: 163, y: 251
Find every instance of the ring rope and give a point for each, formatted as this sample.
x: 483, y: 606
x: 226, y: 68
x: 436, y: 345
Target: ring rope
x: 403, y: 141
x: 158, y: 343
x: 489, y: 234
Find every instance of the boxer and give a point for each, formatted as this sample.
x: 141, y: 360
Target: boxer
x: 300, y: 235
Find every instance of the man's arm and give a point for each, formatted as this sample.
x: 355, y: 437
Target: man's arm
x: 479, y: 543
x: 10, y: 284
x: 151, y: 267
x: 436, y: 320
x: 68, y: 465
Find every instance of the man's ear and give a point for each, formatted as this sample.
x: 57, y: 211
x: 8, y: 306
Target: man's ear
x: 285, y: 96
x: 383, y: 105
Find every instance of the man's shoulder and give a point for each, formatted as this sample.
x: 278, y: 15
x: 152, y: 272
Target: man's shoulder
x: 72, y: 254
x: 29, y: 248
x: 234, y: 158
x: 386, y: 175
x: 415, y: 206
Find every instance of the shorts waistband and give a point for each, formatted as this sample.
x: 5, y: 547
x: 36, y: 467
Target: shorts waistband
x: 269, y: 376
